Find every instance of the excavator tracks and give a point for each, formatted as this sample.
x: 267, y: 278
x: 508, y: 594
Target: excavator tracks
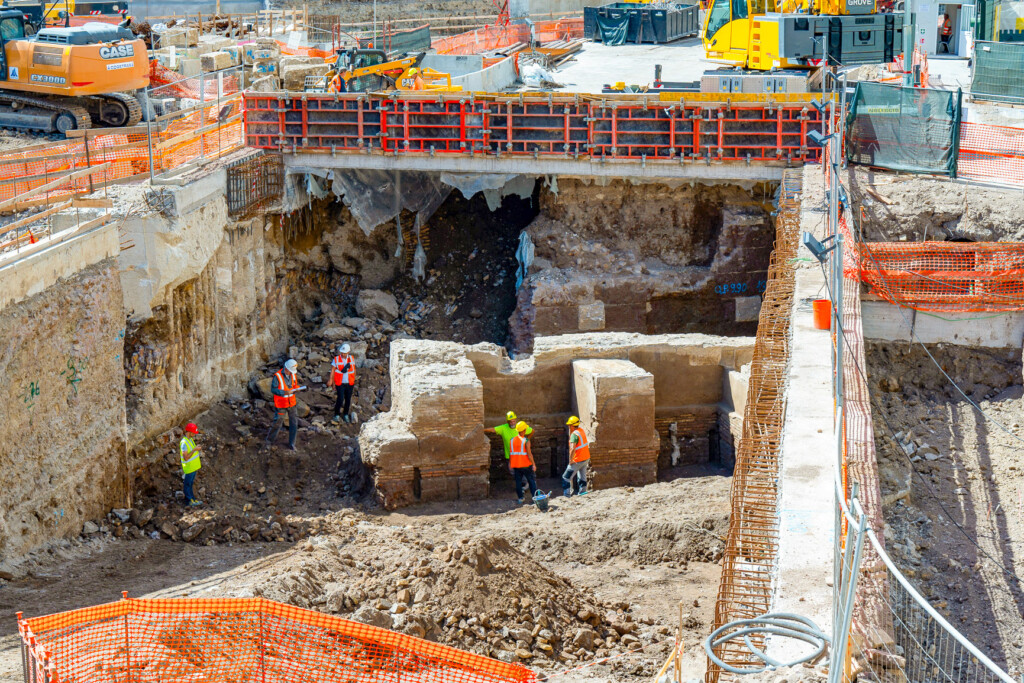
x: 128, y: 110
x: 24, y: 112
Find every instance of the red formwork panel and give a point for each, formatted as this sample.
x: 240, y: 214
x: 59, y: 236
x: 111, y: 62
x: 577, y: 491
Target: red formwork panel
x: 575, y: 128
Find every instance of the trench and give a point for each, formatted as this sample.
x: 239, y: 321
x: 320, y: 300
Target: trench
x: 614, y: 257
x: 951, y: 483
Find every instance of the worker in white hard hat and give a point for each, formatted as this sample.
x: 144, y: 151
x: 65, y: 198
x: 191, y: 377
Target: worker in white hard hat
x: 284, y: 386
x: 507, y: 432
x: 343, y: 378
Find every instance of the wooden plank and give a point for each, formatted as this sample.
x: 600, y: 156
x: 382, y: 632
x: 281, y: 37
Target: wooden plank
x: 65, y: 235
x: 92, y: 203
x: 93, y: 132
x: 28, y: 220
x: 72, y: 155
x: 13, y: 201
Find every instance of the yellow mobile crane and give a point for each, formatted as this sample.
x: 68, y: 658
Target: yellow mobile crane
x: 763, y: 35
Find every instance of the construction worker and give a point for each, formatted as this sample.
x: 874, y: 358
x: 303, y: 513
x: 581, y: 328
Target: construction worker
x: 507, y: 432
x: 947, y: 31
x: 337, y: 83
x: 343, y: 378
x: 579, y: 459
x: 189, y: 453
x: 284, y: 386
x: 417, y: 81
x: 521, y: 462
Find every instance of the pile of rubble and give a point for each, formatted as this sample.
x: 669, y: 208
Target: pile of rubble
x: 478, y: 594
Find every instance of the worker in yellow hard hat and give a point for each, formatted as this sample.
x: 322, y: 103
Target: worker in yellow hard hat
x: 579, y: 459
x: 417, y: 80
x: 507, y: 431
x: 521, y: 463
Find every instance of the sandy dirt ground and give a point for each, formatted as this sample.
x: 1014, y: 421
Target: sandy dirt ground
x: 968, y: 473
x: 613, y: 565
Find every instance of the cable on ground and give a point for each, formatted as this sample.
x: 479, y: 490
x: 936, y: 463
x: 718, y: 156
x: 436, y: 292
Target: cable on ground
x: 785, y: 624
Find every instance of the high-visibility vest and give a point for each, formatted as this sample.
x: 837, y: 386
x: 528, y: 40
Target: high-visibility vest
x: 517, y: 452
x: 581, y: 451
x: 285, y: 401
x: 336, y: 84
x: 189, y: 454
x: 340, y: 377
x: 947, y: 27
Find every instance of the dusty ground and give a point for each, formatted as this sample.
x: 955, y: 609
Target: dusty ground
x: 969, y: 467
x: 601, y: 574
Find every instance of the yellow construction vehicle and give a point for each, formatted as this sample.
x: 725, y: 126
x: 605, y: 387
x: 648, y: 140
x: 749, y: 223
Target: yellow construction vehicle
x: 776, y: 34
x: 72, y: 76
x: 372, y: 71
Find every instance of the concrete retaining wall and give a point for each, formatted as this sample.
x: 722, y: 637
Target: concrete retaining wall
x: 494, y: 78
x: 883, y: 322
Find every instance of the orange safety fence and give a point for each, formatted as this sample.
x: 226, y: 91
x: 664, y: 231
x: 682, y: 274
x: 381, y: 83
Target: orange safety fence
x: 205, y: 133
x: 244, y: 639
x: 991, y: 153
x: 163, y: 81
x: 497, y: 37
x: 946, y: 276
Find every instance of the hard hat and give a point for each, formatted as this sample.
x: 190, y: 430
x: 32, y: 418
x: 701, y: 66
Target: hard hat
x: 521, y: 427
x: 413, y: 71
x: 572, y: 421
x: 291, y: 365
x: 510, y: 415
x: 345, y: 348
x: 191, y: 428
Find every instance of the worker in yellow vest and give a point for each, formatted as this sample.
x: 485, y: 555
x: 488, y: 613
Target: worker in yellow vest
x: 343, y: 378
x: 521, y: 462
x: 579, y: 459
x: 189, y: 453
x: 284, y: 386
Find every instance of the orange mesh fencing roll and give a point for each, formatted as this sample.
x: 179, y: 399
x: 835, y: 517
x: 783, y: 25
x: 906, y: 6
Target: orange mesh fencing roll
x: 946, y: 276
x: 247, y: 639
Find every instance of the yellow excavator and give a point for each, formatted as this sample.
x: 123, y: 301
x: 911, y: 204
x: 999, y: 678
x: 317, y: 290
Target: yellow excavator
x: 68, y: 77
x: 365, y: 70
x: 764, y: 35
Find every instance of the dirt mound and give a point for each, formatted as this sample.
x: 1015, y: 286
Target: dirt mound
x: 480, y: 594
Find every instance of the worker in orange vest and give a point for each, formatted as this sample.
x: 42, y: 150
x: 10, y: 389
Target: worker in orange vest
x: 521, y: 462
x: 343, y: 379
x: 947, y: 31
x: 284, y: 386
x: 579, y: 459
x: 417, y: 80
x: 337, y: 83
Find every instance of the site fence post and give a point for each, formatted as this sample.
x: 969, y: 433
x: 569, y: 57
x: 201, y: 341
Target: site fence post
x: 24, y: 649
x: 839, y: 313
x: 127, y: 651
x: 263, y: 647
x: 149, y: 128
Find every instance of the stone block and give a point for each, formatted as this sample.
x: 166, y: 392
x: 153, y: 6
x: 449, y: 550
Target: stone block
x: 190, y: 67
x: 591, y: 316
x: 215, y: 61
x: 615, y: 403
x: 266, y: 84
x: 748, y: 308
x: 374, y: 303
x: 211, y: 42
x: 264, y: 68
x: 296, y: 60
x: 294, y: 76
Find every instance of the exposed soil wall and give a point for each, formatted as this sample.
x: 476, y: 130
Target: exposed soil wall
x: 907, y: 207
x: 951, y: 484
x: 63, y: 429
x: 645, y: 258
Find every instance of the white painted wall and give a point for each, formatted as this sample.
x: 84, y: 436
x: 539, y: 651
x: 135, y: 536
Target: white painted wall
x: 883, y: 322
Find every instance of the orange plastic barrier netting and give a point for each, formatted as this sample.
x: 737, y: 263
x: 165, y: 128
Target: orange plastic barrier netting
x: 239, y: 640
x: 991, y: 153
x: 167, y: 83
x: 946, y: 276
x: 495, y: 37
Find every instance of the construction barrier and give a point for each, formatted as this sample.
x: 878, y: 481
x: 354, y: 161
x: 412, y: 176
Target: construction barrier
x: 709, y: 129
x: 204, y: 131
x: 500, y: 36
x: 996, y: 75
x: 249, y: 639
x: 991, y: 153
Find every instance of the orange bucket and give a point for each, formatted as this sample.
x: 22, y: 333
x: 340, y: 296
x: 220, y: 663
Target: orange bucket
x: 822, y: 309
